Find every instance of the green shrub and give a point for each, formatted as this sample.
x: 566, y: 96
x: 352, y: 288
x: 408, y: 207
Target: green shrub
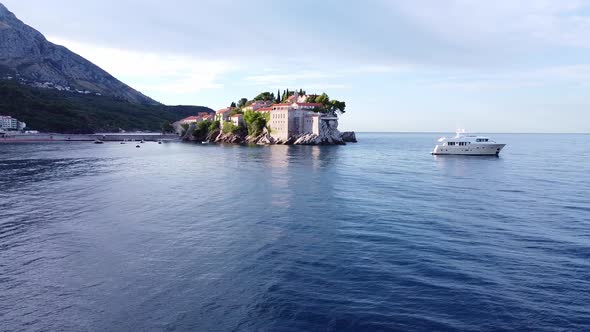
x: 255, y: 122
x: 230, y: 128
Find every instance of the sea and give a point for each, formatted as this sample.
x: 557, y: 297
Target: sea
x: 374, y: 236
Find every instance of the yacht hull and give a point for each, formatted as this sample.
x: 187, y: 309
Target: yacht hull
x: 470, y: 150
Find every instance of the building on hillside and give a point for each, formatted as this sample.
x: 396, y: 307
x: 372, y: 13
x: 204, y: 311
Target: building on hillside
x: 264, y: 110
x: 222, y: 115
x: 237, y: 119
x: 202, y: 116
x: 297, y: 98
x: 206, y: 116
x: 9, y: 123
x: 189, y: 120
x: 287, y: 120
x: 258, y: 105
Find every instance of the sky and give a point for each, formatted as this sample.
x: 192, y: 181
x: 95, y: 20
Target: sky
x: 400, y: 65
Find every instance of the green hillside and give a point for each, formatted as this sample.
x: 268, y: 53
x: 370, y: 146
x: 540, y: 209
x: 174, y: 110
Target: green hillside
x: 65, y: 112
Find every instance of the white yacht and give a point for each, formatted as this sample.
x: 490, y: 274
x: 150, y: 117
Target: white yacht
x: 465, y: 144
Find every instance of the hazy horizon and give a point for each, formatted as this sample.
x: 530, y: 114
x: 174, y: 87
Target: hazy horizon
x: 403, y: 66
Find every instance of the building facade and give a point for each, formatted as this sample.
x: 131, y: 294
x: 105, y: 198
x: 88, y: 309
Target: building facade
x: 222, y: 115
x: 256, y: 105
x: 287, y: 120
x: 237, y: 119
x: 10, y: 123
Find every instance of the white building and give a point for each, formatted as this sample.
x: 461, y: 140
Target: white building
x: 237, y: 119
x: 297, y: 98
x: 287, y: 120
x: 222, y: 115
x: 180, y: 124
x: 10, y: 123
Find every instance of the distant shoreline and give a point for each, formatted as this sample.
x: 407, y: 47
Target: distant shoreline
x: 107, y: 137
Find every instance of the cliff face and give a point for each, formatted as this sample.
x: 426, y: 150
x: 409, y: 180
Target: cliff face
x: 26, y: 54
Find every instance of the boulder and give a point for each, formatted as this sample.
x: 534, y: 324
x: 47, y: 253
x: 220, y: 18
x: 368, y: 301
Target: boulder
x: 307, y: 139
x: 229, y: 138
x: 188, y: 134
x: 213, y: 135
x: 349, y: 136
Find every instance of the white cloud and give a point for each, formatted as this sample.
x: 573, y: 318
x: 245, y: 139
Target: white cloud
x: 285, y: 78
x: 480, y: 24
x: 563, y: 76
x: 155, y: 73
x: 381, y: 69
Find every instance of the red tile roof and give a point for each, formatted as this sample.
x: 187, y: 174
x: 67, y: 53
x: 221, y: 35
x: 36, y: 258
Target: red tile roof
x: 281, y: 105
x: 264, y: 109
x: 190, y: 118
x: 310, y: 104
x: 223, y: 110
x: 236, y: 115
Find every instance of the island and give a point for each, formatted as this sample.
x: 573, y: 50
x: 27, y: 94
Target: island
x: 290, y: 118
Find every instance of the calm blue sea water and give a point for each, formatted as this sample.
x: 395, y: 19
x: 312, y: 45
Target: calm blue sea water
x: 377, y: 236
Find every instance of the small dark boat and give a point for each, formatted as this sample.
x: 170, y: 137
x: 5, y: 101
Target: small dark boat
x: 138, y: 146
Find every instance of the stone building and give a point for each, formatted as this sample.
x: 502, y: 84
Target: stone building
x: 293, y: 119
x: 222, y: 115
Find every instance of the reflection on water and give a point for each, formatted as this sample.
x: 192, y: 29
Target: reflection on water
x: 466, y: 165
x: 378, y: 235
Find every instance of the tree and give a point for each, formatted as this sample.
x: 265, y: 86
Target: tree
x: 236, y: 111
x: 278, y: 100
x: 184, y: 129
x: 230, y: 128
x: 233, y: 105
x: 336, y: 106
x: 202, y: 129
x: 322, y: 99
x: 265, y: 96
x: 167, y: 127
x: 301, y: 93
x: 214, y: 126
x: 255, y: 122
x: 242, y: 102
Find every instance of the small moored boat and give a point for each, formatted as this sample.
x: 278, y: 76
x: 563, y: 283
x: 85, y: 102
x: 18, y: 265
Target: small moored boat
x: 97, y: 141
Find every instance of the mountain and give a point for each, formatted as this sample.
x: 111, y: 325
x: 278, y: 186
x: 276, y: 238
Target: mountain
x: 55, y: 90
x: 25, y: 54
x: 50, y: 110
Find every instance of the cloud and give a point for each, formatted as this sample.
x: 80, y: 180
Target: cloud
x: 286, y: 78
x: 488, y: 24
x: 561, y: 75
x: 155, y: 73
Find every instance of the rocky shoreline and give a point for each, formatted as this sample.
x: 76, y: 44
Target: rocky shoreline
x: 330, y: 137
